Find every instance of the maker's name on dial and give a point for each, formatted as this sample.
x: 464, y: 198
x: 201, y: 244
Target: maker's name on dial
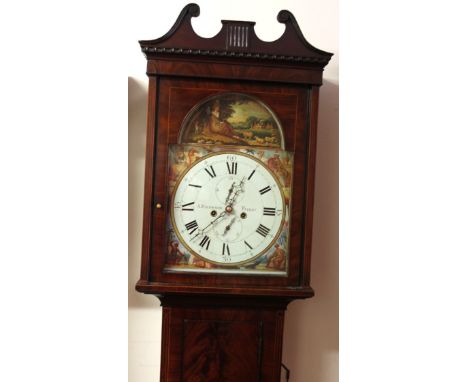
x: 199, y: 205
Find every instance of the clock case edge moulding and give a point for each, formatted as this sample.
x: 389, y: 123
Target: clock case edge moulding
x: 218, y: 327
x: 235, y: 53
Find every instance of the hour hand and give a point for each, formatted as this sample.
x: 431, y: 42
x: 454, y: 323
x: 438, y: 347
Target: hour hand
x: 240, y: 188
x: 230, y: 192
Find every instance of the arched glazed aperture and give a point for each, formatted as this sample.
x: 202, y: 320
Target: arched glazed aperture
x: 232, y: 119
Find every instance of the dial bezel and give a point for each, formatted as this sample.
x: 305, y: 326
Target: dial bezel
x: 252, y: 259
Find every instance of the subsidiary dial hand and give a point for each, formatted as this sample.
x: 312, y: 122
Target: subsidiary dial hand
x: 228, y: 227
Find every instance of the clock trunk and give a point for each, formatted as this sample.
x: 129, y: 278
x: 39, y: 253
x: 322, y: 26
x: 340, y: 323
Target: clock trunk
x: 232, y: 93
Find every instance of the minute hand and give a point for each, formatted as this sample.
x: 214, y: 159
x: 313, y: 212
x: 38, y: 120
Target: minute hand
x: 209, y: 225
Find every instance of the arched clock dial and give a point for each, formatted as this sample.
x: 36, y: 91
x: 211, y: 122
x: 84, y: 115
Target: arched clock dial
x: 228, y: 208
x: 231, y: 147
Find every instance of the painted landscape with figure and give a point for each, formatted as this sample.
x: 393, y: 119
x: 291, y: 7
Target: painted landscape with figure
x: 232, y: 119
x: 275, y: 260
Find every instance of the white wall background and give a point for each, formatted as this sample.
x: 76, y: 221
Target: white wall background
x: 311, y: 329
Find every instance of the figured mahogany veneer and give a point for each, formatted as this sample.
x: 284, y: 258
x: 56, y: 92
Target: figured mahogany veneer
x: 228, y: 327
x: 176, y: 98
x: 221, y: 340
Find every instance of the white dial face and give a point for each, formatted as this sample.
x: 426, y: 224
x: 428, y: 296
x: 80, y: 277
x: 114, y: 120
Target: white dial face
x: 228, y: 208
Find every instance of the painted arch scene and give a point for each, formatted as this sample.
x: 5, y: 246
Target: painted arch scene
x: 232, y: 119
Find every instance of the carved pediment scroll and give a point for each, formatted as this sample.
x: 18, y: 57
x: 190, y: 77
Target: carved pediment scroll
x: 236, y: 39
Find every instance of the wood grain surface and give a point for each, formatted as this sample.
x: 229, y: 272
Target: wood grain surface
x: 228, y: 327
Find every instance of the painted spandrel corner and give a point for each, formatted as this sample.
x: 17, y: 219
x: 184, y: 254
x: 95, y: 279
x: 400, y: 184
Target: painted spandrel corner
x: 275, y: 260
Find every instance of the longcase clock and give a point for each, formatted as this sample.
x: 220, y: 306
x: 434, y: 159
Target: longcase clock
x: 229, y: 194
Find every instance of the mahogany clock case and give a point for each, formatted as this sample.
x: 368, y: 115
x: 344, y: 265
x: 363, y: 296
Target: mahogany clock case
x: 228, y: 326
x: 221, y: 339
x: 180, y: 79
